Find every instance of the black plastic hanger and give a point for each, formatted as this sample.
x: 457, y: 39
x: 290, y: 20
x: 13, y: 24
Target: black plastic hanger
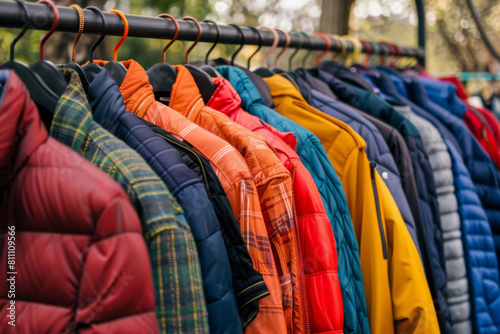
x: 40, y: 93
x: 205, y: 84
x: 114, y: 67
x: 206, y: 67
x: 162, y: 76
x: 46, y: 70
x: 275, y: 68
x: 91, y: 70
x: 257, y: 31
x: 73, y: 65
x: 263, y: 71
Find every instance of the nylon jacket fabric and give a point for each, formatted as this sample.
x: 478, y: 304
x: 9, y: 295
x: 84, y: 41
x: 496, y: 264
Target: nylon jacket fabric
x: 376, y: 148
x: 274, y: 186
x: 88, y: 230
x: 320, y: 285
x: 315, y: 159
x: 109, y: 111
x: 484, y: 266
x: 457, y: 292
x: 240, y: 189
x: 443, y: 94
x: 491, y: 121
x: 420, y: 188
x: 484, y: 173
x: 391, y: 266
x: 480, y: 254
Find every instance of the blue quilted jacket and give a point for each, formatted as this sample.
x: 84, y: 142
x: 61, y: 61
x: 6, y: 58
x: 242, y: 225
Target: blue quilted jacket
x: 314, y: 157
x: 481, y: 267
x: 110, y: 112
x: 479, y: 250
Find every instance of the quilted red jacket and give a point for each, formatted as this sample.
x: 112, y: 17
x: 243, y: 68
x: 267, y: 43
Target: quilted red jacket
x: 323, y: 309
x: 80, y: 258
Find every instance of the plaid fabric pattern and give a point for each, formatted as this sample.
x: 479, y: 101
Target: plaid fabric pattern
x: 180, y: 303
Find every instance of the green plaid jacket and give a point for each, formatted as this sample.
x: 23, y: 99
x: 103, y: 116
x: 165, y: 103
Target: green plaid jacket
x: 180, y: 303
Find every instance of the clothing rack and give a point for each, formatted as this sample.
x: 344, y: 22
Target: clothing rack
x: 41, y: 18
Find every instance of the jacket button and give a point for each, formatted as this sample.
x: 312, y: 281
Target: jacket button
x: 385, y: 175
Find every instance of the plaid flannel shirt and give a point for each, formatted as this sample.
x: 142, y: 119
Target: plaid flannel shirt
x: 180, y: 303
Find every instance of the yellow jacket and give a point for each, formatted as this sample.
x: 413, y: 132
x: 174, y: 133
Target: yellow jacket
x: 397, y: 294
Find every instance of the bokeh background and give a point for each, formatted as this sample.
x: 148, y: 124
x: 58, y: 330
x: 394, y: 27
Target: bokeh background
x: 453, y: 41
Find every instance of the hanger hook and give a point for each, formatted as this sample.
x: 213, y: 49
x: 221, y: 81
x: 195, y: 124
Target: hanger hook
x: 273, y: 46
x: 328, y: 47
x: 290, y: 59
x: 176, y: 34
x: 257, y: 31
x: 217, y: 29
x: 304, y: 60
x: 23, y: 30
x: 54, y: 25
x: 125, y: 32
x: 368, y: 51
x: 287, y: 43
x: 235, y: 53
x: 189, y: 18
x: 356, y: 51
x: 103, y: 34
x: 81, y: 26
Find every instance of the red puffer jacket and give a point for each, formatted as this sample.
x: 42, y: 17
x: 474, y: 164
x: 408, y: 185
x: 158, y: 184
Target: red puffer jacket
x: 81, y: 264
x: 323, y: 307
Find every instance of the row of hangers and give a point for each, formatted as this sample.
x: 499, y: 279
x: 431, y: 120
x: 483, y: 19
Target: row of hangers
x: 46, y: 83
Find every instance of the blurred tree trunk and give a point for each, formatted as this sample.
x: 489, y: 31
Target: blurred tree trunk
x: 59, y: 46
x: 335, y: 16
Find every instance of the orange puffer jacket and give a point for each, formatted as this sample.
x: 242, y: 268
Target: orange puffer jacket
x: 317, y: 252
x: 233, y: 173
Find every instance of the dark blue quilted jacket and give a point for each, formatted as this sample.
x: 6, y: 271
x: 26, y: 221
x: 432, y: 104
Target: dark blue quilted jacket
x: 110, y: 112
x: 314, y: 157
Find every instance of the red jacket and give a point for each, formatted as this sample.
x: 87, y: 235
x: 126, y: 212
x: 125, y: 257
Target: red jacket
x: 483, y: 131
x: 81, y: 261
x: 321, y: 294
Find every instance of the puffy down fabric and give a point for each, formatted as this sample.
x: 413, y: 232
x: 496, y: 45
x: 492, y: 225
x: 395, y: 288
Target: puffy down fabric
x: 432, y: 246
x: 480, y: 254
x: 320, y: 285
x: 376, y: 148
x: 391, y: 265
x: 88, y: 230
x: 109, y: 111
x: 314, y: 157
x: 457, y: 292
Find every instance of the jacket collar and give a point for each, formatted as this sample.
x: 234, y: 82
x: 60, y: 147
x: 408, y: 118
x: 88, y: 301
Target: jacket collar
x: 340, y: 71
x: 280, y: 86
x: 245, y: 87
x: 136, y: 90
x: 316, y: 83
x: 21, y: 129
x: 225, y: 99
x: 106, y: 101
x: 185, y: 97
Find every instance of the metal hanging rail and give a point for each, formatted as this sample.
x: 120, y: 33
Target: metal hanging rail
x: 41, y: 18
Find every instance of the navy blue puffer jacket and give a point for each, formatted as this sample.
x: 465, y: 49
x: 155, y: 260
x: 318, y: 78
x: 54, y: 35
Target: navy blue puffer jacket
x: 110, y: 112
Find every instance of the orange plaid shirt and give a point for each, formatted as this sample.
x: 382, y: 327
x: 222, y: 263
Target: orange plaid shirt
x: 237, y: 181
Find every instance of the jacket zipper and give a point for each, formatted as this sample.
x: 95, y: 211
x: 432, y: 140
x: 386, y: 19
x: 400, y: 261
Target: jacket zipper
x: 194, y: 153
x: 299, y: 259
x: 377, y: 206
